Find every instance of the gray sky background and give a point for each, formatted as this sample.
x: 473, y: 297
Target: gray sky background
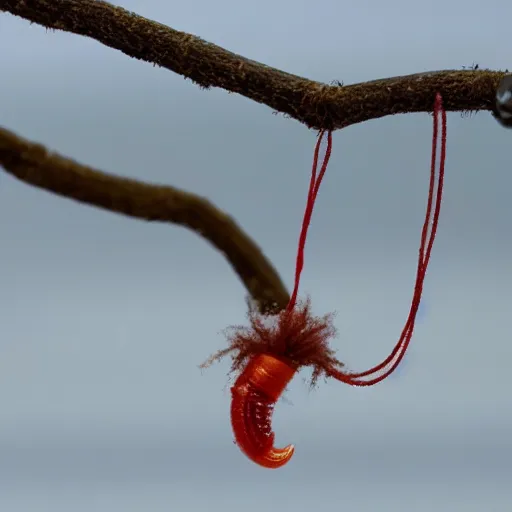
x: 105, y: 319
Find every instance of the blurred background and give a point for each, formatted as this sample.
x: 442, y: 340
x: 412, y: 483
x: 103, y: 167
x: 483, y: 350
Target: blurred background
x: 105, y: 319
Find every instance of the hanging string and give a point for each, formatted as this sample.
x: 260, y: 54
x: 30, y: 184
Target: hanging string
x: 423, y: 259
x: 426, y: 244
x: 314, y: 186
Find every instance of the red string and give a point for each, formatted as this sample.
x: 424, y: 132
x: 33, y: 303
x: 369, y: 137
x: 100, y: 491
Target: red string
x: 426, y: 244
x: 314, y: 186
x: 423, y: 260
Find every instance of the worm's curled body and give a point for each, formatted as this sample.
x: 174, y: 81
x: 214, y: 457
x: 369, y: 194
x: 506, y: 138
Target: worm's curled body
x: 269, y: 351
x: 254, y: 395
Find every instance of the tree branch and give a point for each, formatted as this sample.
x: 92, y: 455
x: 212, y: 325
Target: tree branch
x: 35, y: 165
x: 315, y: 104
x: 312, y: 103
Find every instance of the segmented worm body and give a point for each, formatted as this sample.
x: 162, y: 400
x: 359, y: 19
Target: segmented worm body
x: 255, y: 393
x: 269, y: 352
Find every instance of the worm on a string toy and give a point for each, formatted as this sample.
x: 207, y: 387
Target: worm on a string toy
x: 269, y: 352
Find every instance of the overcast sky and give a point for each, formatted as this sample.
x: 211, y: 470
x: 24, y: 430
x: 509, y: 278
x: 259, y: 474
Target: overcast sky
x: 105, y: 318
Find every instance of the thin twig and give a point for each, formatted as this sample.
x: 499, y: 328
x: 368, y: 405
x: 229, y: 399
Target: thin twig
x: 35, y: 165
x: 315, y: 104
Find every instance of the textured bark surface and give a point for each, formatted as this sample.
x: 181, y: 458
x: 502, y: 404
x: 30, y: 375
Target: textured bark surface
x: 315, y: 104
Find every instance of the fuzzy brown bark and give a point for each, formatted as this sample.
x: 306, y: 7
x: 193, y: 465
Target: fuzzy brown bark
x: 35, y: 165
x: 315, y: 104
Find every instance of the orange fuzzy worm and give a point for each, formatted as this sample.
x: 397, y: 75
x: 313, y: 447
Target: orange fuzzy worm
x: 254, y: 394
x: 267, y: 353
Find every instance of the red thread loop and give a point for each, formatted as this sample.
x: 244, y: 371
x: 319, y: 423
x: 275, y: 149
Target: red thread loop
x: 314, y: 186
x: 355, y: 379
x: 426, y: 244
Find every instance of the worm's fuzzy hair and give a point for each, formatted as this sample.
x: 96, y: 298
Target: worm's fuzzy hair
x: 295, y: 335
